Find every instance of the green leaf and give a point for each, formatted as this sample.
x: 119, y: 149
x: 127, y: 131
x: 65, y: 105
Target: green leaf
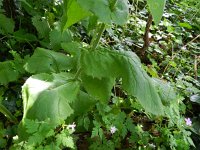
x: 57, y: 37
x: 157, y: 8
x: 98, y: 88
x: 185, y: 25
x: 22, y: 36
x: 47, y: 61
x: 166, y: 92
x: 31, y: 126
x: 195, y: 98
x: 103, y: 10
x: 120, y: 14
x: 48, y: 97
x: 74, y: 13
x: 68, y: 142
x: 74, y: 49
x: 83, y: 103
x: 8, y: 73
x: 7, y: 25
x: 104, y: 63
x: 36, y: 138
x: 42, y: 26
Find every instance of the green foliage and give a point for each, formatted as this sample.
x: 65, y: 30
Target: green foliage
x: 74, y: 13
x: 42, y: 26
x: 52, y: 49
x: 157, y: 9
x: 7, y: 25
x: 57, y: 37
x: 48, y: 96
x: 48, y: 61
x: 8, y: 72
x: 107, y: 11
x: 44, y: 136
x: 127, y: 66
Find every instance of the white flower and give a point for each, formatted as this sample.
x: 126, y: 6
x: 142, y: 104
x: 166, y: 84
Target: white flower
x: 113, y: 129
x: 71, y: 126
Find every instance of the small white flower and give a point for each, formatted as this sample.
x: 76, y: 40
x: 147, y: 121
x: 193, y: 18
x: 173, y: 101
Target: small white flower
x: 113, y: 129
x: 72, y: 126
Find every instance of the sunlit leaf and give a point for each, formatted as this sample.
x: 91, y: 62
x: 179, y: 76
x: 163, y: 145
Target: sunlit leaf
x: 48, y: 96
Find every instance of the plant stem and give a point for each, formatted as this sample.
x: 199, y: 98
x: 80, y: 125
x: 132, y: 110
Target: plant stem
x: 7, y: 113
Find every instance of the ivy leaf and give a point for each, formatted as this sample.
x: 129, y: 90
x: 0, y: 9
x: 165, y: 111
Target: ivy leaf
x: 156, y: 7
x: 98, y: 88
x: 104, y: 63
x: 47, y: 61
x: 74, y: 13
x: 8, y: 73
x: 7, y: 25
x: 48, y: 97
x: 102, y: 9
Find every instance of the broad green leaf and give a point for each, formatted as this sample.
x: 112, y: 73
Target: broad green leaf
x: 74, y: 13
x: 83, y: 103
x: 104, y: 63
x: 103, y: 10
x: 49, y: 96
x: 156, y: 7
x: 98, y: 88
x: 44, y: 60
x: 57, y: 37
x: 166, y: 92
x: 120, y: 14
x: 7, y: 25
x: 8, y: 72
x: 41, y: 26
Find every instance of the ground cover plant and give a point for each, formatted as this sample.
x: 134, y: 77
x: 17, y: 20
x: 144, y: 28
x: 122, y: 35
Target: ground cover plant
x: 103, y: 74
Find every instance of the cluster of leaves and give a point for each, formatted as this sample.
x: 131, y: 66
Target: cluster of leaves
x: 52, y: 46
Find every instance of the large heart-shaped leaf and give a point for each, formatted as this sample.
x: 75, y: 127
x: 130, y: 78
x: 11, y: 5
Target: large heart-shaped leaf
x: 135, y: 81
